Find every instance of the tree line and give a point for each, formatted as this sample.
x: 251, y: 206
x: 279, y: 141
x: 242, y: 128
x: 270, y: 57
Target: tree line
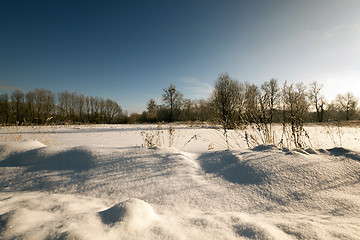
x: 232, y: 104
x: 42, y: 106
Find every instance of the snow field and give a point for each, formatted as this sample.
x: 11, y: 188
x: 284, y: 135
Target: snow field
x: 97, y: 182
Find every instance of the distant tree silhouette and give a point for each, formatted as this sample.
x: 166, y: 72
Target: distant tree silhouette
x: 5, y: 108
x: 231, y: 104
x: 151, y: 106
x: 17, y: 102
x: 43, y: 105
x: 296, y: 105
x: 225, y: 99
x: 172, y: 99
x: 252, y: 103
x: 271, y: 97
x: 347, y: 104
x: 317, y: 100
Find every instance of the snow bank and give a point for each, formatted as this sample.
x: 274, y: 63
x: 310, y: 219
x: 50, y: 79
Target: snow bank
x: 228, y: 166
x: 134, y: 212
x: 90, y: 188
x: 26, y: 145
x: 34, y: 154
x: 20, y: 146
x: 79, y: 159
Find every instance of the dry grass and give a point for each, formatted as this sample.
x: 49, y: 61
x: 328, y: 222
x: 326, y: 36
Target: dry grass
x: 18, y: 133
x: 155, y: 138
x: 334, y: 131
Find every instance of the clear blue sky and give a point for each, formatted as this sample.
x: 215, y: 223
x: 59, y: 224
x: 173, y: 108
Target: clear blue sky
x: 129, y: 51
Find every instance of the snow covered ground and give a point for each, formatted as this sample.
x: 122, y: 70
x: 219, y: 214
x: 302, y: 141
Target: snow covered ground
x: 99, y: 182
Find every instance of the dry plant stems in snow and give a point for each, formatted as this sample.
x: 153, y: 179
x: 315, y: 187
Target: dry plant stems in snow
x: 334, y: 130
x: 263, y: 131
x: 14, y: 134
x: 153, y: 138
x: 224, y: 144
x: 171, y: 135
x: 230, y: 140
x: 156, y: 138
x: 254, y: 135
x: 291, y: 137
x: 225, y: 137
x: 251, y: 140
x: 294, y: 137
x: 262, y: 134
x: 41, y: 134
x: 294, y: 107
x: 195, y: 137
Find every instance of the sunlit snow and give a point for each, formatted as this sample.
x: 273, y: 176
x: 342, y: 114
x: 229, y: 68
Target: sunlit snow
x: 99, y: 182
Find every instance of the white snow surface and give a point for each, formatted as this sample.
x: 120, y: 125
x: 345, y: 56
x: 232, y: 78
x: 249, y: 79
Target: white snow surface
x: 99, y: 182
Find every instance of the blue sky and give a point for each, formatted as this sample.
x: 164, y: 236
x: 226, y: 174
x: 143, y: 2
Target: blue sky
x: 129, y: 51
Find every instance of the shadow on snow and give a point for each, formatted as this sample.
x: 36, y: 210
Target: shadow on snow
x: 231, y: 168
x: 77, y: 159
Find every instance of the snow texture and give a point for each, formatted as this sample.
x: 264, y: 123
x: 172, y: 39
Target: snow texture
x: 97, y: 182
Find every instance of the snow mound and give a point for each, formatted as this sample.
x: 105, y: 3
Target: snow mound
x: 264, y: 147
x: 77, y: 158
x: 294, y: 181
x: 343, y: 152
x: 311, y: 151
x: 25, y: 145
x: 230, y: 167
x: 21, y: 153
x: 250, y: 231
x: 19, y: 159
x: 135, y: 213
x: 36, y: 215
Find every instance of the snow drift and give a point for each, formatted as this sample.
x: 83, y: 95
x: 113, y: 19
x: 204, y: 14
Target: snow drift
x: 108, y: 191
x: 134, y: 212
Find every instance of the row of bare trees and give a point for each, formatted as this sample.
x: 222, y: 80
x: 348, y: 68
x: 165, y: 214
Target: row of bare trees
x: 234, y: 103
x: 42, y: 106
x: 174, y: 108
x: 245, y: 102
x: 237, y: 104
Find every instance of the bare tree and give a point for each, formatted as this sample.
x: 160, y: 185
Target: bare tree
x: 225, y: 99
x: 81, y: 107
x: 151, y: 106
x: 17, y: 102
x: 64, y: 105
x: 347, y: 104
x: 203, y: 111
x: 152, y: 113
x: 44, y: 105
x: 272, y: 96
x: 88, y: 108
x: 95, y: 109
x: 317, y: 100
x: 252, y: 103
x: 240, y: 111
x: 5, y: 108
x: 295, y: 108
x: 112, y: 110
x: 74, y: 106
x: 187, y: 110
x: 101, y: 110
x: 30, y: 108
x: 173, y: 99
